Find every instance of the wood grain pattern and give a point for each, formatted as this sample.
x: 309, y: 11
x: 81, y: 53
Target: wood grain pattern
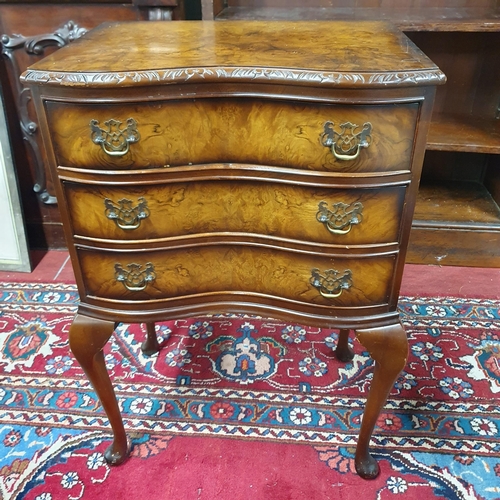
x: 253, y: 270
x: 270, y: 209
x: 242, y: 130
x: 301, y: 53
x: 455, y: 228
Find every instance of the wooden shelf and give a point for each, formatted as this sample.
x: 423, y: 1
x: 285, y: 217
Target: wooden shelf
x: 464, y: 133
x: 455, y: 224
x: 465, y: 205
x: 410, y: 19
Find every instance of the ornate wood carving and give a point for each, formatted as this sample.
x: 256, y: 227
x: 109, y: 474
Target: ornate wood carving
x: 136, y: 78
x: 36, y: 45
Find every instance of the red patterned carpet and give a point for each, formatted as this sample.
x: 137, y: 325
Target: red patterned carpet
x: 204, y: 425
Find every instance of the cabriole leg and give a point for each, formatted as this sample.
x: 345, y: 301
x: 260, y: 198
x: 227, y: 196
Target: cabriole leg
x: 343, y: 352
x: 150, y: 346
x: 388, y: 347
x: 87, y: 338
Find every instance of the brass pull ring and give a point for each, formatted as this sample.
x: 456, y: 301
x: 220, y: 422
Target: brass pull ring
x: 114, y: 140
x: 331, y: 283
x: 343, y: 157
x: 111, y: 152
x: 134, y: 278
x: 125, y: 215
x: 338, y: 231
x: 341, y: 218
x: 346, y: 144
x: 331, y: 295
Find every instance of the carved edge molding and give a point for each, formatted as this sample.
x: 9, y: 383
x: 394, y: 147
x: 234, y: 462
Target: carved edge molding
x: 36, y: 45
x: 299, y: 77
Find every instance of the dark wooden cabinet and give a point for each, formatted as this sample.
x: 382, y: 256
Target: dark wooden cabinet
x: 31, y: 30
x: 457, y: 217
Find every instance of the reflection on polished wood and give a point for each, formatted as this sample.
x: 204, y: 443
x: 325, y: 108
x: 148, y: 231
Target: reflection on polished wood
x: 463, y: 38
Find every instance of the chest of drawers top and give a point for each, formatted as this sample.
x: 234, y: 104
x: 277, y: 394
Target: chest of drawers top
x: 328, y: 54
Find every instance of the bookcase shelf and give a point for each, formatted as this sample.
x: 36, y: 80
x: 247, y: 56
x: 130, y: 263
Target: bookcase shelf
x: 464, y: 133
x: 410, y: 18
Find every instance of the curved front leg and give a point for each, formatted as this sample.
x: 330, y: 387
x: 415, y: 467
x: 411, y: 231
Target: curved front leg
x: 388, y: 347
x: 87, y: 338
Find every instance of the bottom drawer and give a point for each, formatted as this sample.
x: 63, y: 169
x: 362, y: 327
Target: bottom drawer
x: 215, y: 268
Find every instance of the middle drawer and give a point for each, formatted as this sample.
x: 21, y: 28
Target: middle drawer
x: 358, y: 216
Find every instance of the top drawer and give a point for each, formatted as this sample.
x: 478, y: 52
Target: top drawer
x: 336, y: 138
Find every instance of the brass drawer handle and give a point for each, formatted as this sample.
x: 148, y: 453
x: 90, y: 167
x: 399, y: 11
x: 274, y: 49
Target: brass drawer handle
x: 341, y: 218
x: 134, y: 278
x: 347, y: 144
x: 125, y: 215
x: 114, y: 141
x: 331, y: 283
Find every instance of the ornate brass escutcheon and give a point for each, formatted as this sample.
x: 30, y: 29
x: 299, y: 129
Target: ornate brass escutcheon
x: 331, y: 283
x: 114, y: 140
x: 134, y: 278
x: 347, y: 143
x: 341, y: 218
x: 125, y: 215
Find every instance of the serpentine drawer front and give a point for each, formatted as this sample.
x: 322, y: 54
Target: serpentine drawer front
x: 362, y: 216
x: 315, y: 136
x: 260, y: 168
x: 257, y: 270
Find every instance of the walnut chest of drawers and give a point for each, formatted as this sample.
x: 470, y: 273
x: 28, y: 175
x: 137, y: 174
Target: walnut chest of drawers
x: 261, y: 167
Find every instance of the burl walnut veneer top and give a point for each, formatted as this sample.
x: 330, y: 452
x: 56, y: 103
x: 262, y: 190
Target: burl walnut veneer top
x: 325, y: 53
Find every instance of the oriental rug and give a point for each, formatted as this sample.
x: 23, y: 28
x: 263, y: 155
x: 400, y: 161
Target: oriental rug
x: 279, y: 422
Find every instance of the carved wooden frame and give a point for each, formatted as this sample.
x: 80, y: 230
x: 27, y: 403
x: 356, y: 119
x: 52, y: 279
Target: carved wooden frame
x: 35, y: 45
